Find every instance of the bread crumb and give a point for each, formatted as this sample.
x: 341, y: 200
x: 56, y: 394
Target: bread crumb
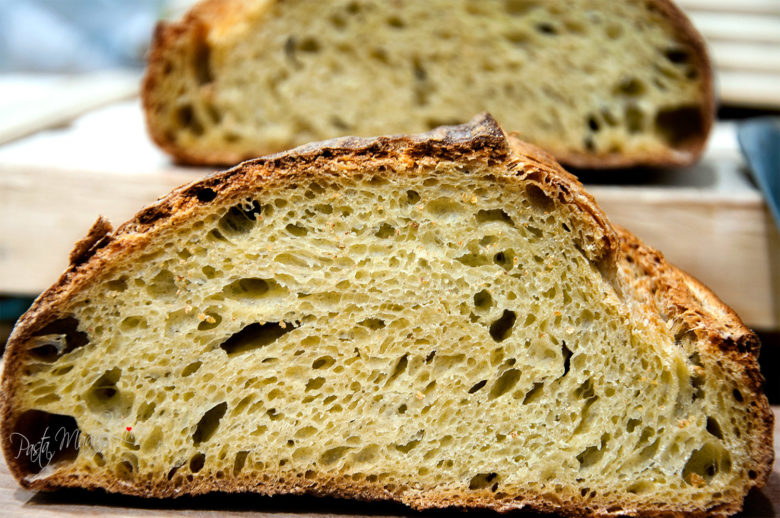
x: 697, y: 480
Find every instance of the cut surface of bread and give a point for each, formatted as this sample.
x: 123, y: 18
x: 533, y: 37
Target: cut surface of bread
x: 445, y: 319
x: 597, y: 83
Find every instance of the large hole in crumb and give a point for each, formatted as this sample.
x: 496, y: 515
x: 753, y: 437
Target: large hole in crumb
x: 396, y: 22
x: 504, y: 383
x: 333, y: 455
x: 705, y: 463
x: 56, y: 339
x: 534, y: 394
x: 485, y: 216
x: 505, y: 259
x: 384, y: 231
x: 315, y: 383
x: 190, y: 368
x: 187, y: 119
x: 399, y: 369
x: 208, y: 424
x: 538, y: 198
x: 566, y: 352
x: 473, y: 260
x: 238, y: 464
x: 162, y: 285
x: 634, y: 118
x: 483, y: 301
x: 483, y: 481
x: 714, y: 428
x: 197, y: 462
x: 409, y: 446
x: 145, y: 411
x: 201, y: 59
x: 310, y: 45
x: 322, y: 362
x: 39, y: 439
x: 546, y: 28
x: 124, y: 469
x: 681, y: 126
x: 296, y: 230
x: 374, y: 324
x: 205, y: 194
x: 593, y: 454
x: 103, y: 396
x: 250, y: 289
x: 630, y: 87
x: 255, y: 336
x: 478, y: 385
x: 502, y: 328
x: 240, y: 219
x: 677, y: 55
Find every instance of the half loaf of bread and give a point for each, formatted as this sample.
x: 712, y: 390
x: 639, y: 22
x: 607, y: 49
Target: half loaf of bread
x: 597, y: 83
x: 444, y: 320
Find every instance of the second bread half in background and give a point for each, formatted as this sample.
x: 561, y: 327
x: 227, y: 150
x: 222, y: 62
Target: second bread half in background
x: 598, y: 83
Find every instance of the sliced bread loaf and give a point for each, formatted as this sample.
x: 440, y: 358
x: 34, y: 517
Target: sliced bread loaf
x: 444, y: 320
x: 597, y: 83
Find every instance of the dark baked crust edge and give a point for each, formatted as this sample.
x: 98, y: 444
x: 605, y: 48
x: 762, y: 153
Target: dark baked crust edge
x: 718, y: 331
x: 195, y: 23
x: 481, y: 140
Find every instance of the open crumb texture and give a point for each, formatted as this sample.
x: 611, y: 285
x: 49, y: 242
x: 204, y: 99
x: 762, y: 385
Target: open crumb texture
x: 597, y: 83
x: 445, y: 319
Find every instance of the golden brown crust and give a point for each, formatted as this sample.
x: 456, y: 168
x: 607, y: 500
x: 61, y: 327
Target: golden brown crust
x: 694, y: 310
x: 87, y: 246
x: 674, y: 296
x: 208, y: 13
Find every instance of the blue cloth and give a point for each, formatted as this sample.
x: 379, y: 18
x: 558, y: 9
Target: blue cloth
x: 11, y: 308
x: 759, y: 139
x: 75, y: 35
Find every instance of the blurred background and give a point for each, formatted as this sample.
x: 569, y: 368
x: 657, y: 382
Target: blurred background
x: 73, y: 145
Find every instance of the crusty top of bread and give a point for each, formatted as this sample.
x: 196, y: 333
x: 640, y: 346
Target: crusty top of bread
x: 177, y: 43
x: 653, y: 288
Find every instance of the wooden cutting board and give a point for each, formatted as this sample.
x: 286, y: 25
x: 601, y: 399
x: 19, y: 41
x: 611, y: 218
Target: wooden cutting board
x: 15, y: 501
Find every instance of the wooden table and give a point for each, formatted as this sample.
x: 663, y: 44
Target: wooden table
x: 15, y: 501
